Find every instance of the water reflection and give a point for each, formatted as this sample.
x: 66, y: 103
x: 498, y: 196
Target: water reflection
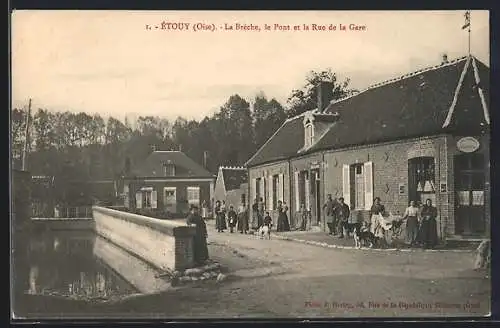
x: 63, y: 263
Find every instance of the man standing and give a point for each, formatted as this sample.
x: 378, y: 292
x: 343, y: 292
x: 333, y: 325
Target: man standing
x: 329, y: 208
x: 343, y: 213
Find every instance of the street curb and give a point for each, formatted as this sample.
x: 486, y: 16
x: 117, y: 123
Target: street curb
x: 326, y: 245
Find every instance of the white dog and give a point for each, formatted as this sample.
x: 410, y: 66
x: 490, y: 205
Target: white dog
x: 264, y: 232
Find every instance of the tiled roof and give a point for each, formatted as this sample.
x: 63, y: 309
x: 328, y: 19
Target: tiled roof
x: 285, y: 142
x: 233, y: 177
x: 184, y: 166
x: 415, y: 104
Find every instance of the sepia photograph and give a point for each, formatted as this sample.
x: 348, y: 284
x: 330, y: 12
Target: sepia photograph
x: 250, y: 164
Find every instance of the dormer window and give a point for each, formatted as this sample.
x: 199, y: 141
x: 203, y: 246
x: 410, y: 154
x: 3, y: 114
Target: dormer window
x: 309, y: 133
x: 169, y: 170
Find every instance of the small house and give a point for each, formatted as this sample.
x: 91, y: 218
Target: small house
x: 165, y: 184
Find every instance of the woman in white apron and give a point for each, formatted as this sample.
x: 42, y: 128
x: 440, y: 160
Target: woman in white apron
x: 376, y: 210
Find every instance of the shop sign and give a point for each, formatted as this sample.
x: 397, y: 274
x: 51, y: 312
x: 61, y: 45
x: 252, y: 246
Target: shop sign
x: 468, y: 144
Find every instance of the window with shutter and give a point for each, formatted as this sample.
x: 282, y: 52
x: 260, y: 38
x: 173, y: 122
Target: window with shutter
x: 346, y: 184
x: 368, y: 186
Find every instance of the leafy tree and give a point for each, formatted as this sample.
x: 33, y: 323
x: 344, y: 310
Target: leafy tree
x: 302, y: 100
x: 269, y: 115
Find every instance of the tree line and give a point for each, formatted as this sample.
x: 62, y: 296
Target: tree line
x: 83, y: 147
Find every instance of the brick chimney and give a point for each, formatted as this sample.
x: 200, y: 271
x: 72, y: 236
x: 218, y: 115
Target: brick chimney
x: 325, y: 94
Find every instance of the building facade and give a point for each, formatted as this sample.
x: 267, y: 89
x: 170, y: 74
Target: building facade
x: 422, y: 136
x: 228, y: 186
x: 166, y: 184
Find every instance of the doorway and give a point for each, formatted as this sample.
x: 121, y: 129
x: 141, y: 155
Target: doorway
x: 469, y: 195
x: 316, y: 187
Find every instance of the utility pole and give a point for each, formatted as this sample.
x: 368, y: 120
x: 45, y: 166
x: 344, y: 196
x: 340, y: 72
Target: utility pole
x: 26, y: 137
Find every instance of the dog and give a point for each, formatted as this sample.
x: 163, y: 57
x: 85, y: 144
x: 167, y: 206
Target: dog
x: 264, y: 232
x: 483, y: 255
x: 363, y: 236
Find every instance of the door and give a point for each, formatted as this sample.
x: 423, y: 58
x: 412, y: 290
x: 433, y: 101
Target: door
x: 170, y: 199
x: 469, y: 195
x: 317, y: 199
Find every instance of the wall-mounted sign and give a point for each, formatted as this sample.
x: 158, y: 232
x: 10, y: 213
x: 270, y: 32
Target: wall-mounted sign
x: 442, y: 187
x: 468, y: 144
x: 401, y: 188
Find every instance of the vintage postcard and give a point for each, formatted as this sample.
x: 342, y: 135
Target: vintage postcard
x: 250, y: 164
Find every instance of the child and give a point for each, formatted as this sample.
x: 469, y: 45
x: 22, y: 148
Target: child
x: 268, y: 221
x: 231, y: 215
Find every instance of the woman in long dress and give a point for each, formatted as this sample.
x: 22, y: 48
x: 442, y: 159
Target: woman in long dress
x: 412, y: 217
x: 255, y: 215
x: 283, y: 223
x: 200, y: 238
x: 376, y: 210
x: 428, y: 228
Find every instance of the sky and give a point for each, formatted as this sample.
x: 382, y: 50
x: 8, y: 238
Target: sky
x: 122, y: 63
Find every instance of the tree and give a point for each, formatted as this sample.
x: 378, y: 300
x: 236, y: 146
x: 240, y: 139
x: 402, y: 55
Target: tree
x: 302, y: 100
x: 268, y: 117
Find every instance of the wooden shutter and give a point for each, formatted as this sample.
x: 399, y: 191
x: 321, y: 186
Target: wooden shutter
x: 138, y: 199
x: 270, y: 204
x: 346, y: 184
x: 308, y: 192
x: 253, y: 191
x: 154, y: 199
x: 281, y: 190
x: 368, y: 176
x: 262, y: 189
x: 296, y: 190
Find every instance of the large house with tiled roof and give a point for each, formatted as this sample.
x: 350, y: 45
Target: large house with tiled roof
x: 424, y: 135
x: 166, y: 183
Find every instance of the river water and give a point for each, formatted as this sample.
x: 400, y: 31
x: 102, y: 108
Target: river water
x: 65, y: 264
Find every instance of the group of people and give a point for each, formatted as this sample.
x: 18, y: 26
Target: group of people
x: 239, y: 219
x: 337, y: 215
x: 421, y: 226
x: 230, y: 217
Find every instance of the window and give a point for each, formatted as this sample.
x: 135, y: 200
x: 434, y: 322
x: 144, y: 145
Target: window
x: 275, y: 195
x: 258, y: 188
x: 421, y: 178
x: 302, y: 189
x: 193, y: 195
x: 309, y: 134
x: 170, y: 199
x: 357, y: 185
x: 168, y: 170
x: 146, y: 198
